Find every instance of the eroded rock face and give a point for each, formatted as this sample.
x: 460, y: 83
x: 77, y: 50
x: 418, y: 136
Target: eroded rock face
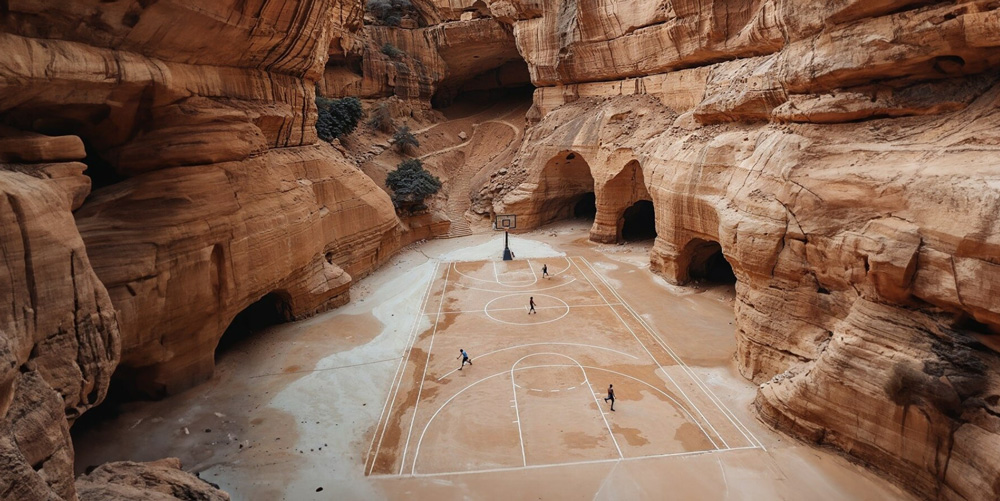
x: 424, y: 64
x: 157, y: 480
x: 843, y: 159
x: 203, y: 243
x: 204, y: 132
x: 59, y: 336
x: 195, y: 123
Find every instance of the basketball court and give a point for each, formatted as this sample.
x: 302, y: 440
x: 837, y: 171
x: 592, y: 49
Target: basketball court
x: 535, y: 394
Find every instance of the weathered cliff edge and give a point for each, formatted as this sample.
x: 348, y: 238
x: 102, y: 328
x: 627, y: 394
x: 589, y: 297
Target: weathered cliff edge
x: 195, y: 122
x: 845, y: 157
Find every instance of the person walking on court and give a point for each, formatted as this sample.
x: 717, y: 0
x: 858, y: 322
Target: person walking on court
x: 611, y: 396
x: 465, y: 358
x: 531, y: 303
x: 545, y: 270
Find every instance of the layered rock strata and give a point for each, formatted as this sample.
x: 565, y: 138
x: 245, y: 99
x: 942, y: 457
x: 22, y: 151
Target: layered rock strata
x: 843, y: 159
x: 195, y: 125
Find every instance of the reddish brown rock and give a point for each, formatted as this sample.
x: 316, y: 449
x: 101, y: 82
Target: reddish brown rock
x: 183, y: 250
x: 865, y: 251
x: 59, y: 337
x: 157, y: 480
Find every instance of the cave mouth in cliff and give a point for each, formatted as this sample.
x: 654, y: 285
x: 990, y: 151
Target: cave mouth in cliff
x: 707, y: 262
x: 488, y: 78
x: 585, y: 206
x: 272, y: 309
x: 639, y: 222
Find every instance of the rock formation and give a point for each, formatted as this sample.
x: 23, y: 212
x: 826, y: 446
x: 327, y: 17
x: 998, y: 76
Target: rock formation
x: 156, y: 480
x: 195, y: 124
x: 161, y: 172
x: 843, y: 159
x: 435, y: 62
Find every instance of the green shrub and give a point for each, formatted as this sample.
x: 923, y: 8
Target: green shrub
x: 404, y: 140
x: 337, y: 117
x: 411, y: 184
x: 392, y: 51
x: 389, y: 12
x: 381, y: 119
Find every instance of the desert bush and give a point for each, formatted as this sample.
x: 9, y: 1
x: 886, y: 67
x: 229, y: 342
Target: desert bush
x: 381, y: 118
x: 404, y: 141
x: 392, y: 51
x: 337, y: 117
x: 389, y: 12
x: 411, y: 184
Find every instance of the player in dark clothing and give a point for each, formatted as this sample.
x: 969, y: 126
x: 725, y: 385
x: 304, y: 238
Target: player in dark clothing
x: 465, y: 358
x: 531, y: 302
x: 611, y: 396
x: 545, y: 270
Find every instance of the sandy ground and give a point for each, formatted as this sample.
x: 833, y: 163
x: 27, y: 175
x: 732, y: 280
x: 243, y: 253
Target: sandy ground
x: 291, y: 412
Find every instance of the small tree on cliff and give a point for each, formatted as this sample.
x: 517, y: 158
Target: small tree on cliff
x: 411, y: 184
x: 404, y: 141
x: 392, y: 51
x: 337, y: 117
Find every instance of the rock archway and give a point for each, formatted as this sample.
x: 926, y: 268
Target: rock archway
x: 618, y: 200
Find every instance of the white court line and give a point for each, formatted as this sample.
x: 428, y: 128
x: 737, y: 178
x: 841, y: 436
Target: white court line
x: 681, y: 390
x: 471, y: 288
x: 454, y: 265
x: 586, y: 381
x: 679, y: 405
x: 486, y: 310
x: 736, y: 422
x: 416, y: 453
x: 517, y: 413
x: 511, y: 283
x: 532, y: 268
x: 525, y: 308
x: 571, y: 463
x: 423, y: 378
x: 392, y: 392
x: 484, y: 355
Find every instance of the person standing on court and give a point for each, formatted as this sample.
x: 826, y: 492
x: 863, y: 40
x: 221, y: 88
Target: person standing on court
x: 611, y: 396
x: 531, y: 303
x: 545, y: 270
x: 465, y: 358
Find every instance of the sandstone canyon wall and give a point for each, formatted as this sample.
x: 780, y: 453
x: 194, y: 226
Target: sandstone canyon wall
x: 844, y: 157
x: 194, y: 121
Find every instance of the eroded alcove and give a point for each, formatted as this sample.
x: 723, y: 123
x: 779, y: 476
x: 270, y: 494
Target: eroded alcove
x: 639, y: 222
x: 567, y: 187
x: 272, y: 309
x: 704, y: 260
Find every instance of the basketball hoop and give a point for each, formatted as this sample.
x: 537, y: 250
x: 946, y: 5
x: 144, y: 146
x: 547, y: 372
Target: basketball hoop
x: 505, y: 223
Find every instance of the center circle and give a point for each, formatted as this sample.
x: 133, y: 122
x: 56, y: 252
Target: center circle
x: 512, y: 309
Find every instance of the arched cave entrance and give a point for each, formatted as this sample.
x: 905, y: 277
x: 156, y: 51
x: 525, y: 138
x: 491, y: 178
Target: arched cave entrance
x: 705, y: 261
x: 639, y: 222
x: 272, y: 309
x: 566, y: 188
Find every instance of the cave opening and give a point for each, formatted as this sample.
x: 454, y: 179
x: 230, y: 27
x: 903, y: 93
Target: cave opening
x: 272, y: 309
x: 639, y: 222
x: 486, y: 77
x: 707, y: 262
x: 88, y: 122
x: 585, y: 206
